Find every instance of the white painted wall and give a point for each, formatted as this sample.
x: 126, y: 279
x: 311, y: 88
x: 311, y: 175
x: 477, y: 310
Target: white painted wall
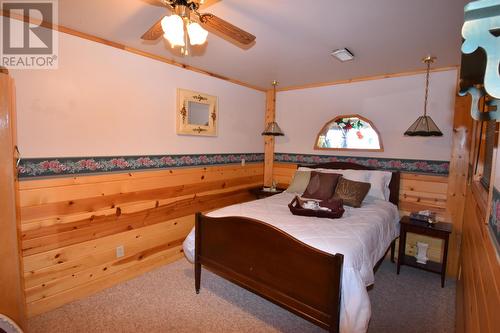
x: 103, y: 101
x: 392, y: 104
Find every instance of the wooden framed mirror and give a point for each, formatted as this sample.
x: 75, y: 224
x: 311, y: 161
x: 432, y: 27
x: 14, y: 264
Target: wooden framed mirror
x: 196, y: 113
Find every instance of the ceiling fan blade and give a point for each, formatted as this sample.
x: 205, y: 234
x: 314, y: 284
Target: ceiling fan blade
x: 212, y: 22
x: 154, y: 32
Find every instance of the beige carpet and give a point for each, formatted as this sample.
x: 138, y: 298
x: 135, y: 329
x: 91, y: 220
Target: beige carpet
x: 164, y: 300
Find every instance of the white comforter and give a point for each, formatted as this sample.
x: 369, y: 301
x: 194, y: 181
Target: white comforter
x: 362, y: 235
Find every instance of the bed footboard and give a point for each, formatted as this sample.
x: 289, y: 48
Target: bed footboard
x: 272, y: 264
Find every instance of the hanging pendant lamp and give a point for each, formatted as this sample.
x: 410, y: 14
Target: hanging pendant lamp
x: 273, y: 129
x: 424, y: 125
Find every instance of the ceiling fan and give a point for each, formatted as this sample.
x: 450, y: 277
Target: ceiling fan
x: 186, y: 18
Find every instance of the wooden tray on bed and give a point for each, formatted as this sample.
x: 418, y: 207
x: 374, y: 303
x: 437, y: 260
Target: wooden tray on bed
x: 296, y: 209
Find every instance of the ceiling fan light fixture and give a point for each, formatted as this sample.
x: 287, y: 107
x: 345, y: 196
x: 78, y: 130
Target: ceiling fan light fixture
x: 173, y: 30
x: 179, y: 33
x: 197, y: 35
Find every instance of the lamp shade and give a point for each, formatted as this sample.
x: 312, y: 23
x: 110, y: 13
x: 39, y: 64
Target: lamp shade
x: 197, y: 35
x: 173, y: 29
x: 273, y: 129
x: 423, y: 126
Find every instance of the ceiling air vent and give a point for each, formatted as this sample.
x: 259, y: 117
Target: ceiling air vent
x: 343, y: 55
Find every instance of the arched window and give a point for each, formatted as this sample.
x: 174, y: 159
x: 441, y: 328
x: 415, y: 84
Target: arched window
x: 349, y: 132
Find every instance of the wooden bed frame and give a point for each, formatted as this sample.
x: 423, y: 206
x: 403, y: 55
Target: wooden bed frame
x: 270, y: 263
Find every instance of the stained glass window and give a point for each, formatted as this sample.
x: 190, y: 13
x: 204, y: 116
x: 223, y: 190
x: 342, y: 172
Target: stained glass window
x: 349, y: 132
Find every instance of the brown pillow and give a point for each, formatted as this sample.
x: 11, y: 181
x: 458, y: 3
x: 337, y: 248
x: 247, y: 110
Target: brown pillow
x: 321, y: 185
x: 352, y: 193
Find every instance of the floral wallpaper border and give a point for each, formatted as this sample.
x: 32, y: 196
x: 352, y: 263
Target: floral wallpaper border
x: 494, y: 220
x: 405, y: 165
x: 42, y: 167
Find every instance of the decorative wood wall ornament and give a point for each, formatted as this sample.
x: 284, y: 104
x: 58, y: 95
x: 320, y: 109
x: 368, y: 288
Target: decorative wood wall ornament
x: 481, y: 29
x: 477, y: 94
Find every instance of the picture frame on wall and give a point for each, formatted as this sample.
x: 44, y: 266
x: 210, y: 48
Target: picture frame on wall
x: 196, y: 113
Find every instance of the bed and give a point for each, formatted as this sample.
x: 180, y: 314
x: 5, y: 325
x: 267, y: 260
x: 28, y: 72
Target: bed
x: 316, y: 268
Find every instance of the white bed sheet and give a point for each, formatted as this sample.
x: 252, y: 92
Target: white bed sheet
x: 362, y: 235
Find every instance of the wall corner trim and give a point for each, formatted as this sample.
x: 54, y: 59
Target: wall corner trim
x: 367, y: 78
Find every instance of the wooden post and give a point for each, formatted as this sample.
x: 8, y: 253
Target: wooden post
x: 457, y: 178
x: 269, y: 140
x: 12, y: 301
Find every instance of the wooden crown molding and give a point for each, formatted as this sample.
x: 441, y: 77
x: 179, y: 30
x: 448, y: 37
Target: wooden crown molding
x: 367, y: 78
x: 123, y: 47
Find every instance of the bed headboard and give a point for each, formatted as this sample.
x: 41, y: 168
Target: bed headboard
x: 393, y: 185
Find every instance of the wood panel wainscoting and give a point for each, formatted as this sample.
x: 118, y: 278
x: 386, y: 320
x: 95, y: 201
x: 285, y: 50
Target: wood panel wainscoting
x: 478, y: 293
x: 478, y: 283
x: 71, y: 226
x: 417, y: 192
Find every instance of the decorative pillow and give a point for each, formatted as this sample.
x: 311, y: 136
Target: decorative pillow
x: 379, y: 180
x: 299, y: 182
x: 351, y: 192
x: 321, y: 185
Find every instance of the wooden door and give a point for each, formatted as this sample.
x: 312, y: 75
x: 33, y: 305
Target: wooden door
x: 12, y: 301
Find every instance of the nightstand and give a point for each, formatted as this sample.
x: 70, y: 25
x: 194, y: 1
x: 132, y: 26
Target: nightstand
x: 438, y: 230
x: 260, y: 193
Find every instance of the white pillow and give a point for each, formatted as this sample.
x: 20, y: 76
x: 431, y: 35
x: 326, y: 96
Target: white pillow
x: 379, y: 181
x: 355, y: 175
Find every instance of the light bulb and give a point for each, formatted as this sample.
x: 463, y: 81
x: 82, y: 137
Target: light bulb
x: 197, y: 35
x: 173, y: 28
